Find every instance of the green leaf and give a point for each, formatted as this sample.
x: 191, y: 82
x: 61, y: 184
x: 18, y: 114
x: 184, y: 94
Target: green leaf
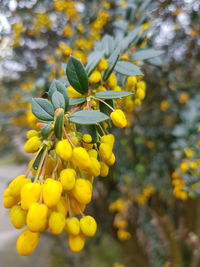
x: 60, y: 87
x: 112, y: 94
x: 46, y: 131
x: 108, y: 44
x: 93, y: 60
x: 127, y: 68
x: 37, y: 160
x: 88, y: 117
x: 146, y: 54
x: 58, y: 100
x: 59, y: 125
x: 112, y: 61
x: 77, y: 75
x: 129, y: 39
x: 76, y: 101
x: 42, y: 109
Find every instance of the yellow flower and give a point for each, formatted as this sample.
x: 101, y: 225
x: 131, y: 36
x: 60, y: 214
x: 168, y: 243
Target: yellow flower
x: 123, y: 235
x: 88, y: 226
x: 37, y: 217
x: 30, y: 193
x: 108, y: 139
x: 81, y: 158
x: 105, y: 151
x: 104, y: 169
x: 103, y: 64
x: 94, y: 167
x: 51, y: 192
x: 87, y: 138
x: 17, y: 216
x: 95, y: 77
x: 72, y: 226
x: 73, y: 93
x: 112, y: 80
x: 8, y: 200
x: 67, y: 179
x: 111, y: 160
x: 82, y: 191
x: 141, y: 85
x: 56, y: 223
x: 62, y: 206
x: 118, y: 118
x: 32, y: 145
x: 16, y: 185
x: 140, y: 94
x: 76, y: 206
x: 92, y: 153
x: 131, y: 82
x: 76, y: 242
x: 27, y: 242
x: 31, y: 133
x: 64, y: 149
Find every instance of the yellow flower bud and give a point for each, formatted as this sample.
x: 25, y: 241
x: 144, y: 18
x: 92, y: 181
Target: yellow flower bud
x: 62, y: 206
x: 87, y: 138
x: 108, y: 139
x: 140, y: 94
x: 8, y: 200
x: 131, y: 82
x: 76, y: 242
x: 95, y: 77
x: 141, y: 85
x: 51, y: 192
x: 17, y: 216
x: 103, y: 64
x: 118, y: 118
x: 16, y: 185
x: 32, y: 145
x: 105, y: 151
x: 92, y: 153
x: 30, y: 193
x: 123, y: 235
x: 112, y: 80
x: 76, y: 206
x: 72, y: 226
x: 82, y: 191
x: 81, y: 158
x: 64, y: 149
x: 111, y: 160
x: 88, y: 226
x: 94, y: 167
x: 27, y: 242
x: 67, y: 179
x: 50, y: 165
x: 137, y: 102
x: 37, y: 217
x: 73, y: 93
x: 56, y: 223
x: 104, y: 169
x: 31, y: 133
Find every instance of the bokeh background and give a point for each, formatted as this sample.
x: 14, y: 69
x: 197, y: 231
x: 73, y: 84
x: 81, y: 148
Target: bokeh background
x: 154, y: 186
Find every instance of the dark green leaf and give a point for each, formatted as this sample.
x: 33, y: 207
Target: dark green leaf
x: 42, y: 109
x: 58, y: 100
x: 111, y: 63
x: 77, y: 75
x: 88, y: 117
x: 112, y: 94
x: 37, y: 160
x: 127, y: 68
x: 59, y: 125
x: 76, y: 101
x: 46, y: 131
x: 146, y: 54
x: 104, y: 108
x: 93, y: 60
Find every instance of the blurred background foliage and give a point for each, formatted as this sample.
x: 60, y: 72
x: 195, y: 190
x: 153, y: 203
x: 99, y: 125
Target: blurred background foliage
x: 152, y: 192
